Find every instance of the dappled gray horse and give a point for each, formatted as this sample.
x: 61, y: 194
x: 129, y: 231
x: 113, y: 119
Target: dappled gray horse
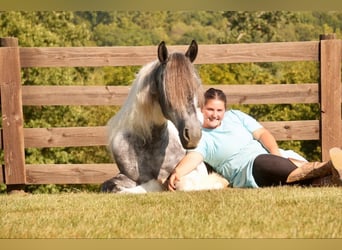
x: 158, y: 121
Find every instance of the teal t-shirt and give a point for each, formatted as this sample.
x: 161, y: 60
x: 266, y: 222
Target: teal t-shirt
x: 231, y: 149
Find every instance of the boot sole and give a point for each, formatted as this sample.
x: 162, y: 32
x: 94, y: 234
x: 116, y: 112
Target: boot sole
x: 336, y: 159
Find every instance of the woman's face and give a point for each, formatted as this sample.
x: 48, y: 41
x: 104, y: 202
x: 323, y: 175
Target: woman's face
x: 213, y: 112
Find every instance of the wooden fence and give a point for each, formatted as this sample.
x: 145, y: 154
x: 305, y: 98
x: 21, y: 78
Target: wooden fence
x: 15, y: 138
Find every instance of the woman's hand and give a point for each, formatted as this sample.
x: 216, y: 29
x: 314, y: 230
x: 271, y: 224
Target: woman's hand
x: 172, y: 181
x: 189, y: 162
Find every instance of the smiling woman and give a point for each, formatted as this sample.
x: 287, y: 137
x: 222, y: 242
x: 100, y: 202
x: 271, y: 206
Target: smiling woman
x: 240, y: 149
x: 214, y: 108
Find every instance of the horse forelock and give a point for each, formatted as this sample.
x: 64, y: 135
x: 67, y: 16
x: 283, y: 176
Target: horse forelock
x: 181, y: 82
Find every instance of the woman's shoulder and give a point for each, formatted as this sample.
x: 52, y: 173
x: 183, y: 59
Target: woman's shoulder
x: 234, y: 113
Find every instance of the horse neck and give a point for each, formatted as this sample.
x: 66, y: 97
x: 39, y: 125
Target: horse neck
x: 138, y: 121
x: 146, y: 118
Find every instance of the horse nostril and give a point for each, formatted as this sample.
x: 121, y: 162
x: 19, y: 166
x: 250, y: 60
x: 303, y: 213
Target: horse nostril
x: 186, y: 135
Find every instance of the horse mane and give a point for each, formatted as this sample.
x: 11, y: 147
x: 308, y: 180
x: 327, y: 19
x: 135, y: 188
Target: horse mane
x: 131, y: 111
x: 141, y: 110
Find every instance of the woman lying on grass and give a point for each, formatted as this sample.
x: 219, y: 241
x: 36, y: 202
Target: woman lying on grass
x: 236, y: 146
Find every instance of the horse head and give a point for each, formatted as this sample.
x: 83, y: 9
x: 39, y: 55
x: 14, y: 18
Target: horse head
x: 178, y: 90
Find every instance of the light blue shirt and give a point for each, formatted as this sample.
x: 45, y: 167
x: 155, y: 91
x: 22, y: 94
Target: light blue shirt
x: 231, y: 149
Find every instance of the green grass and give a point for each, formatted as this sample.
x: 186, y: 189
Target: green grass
x: 281, y: 212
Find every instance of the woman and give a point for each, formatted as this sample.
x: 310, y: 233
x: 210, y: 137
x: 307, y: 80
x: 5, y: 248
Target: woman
x: 236, y: 146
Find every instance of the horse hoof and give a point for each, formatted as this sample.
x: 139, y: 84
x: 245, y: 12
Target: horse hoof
x: 109, y: 187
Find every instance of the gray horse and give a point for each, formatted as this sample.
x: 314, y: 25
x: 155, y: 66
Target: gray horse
x: 158, y: 121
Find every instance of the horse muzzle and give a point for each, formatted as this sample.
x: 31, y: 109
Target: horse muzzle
x: 190, y: 137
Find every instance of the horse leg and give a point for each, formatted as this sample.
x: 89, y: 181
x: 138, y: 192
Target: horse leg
x: 151, y: 186
x: 122, y: 184
x: 117, y: 183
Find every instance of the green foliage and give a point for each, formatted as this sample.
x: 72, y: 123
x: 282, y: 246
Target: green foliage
x: 3, y: 188
x: 58, y: 189
x: 120, y: 75
x: 53, y: 28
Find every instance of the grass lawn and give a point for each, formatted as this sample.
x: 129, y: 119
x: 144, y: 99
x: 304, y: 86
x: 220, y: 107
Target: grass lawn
x: 280, y: 212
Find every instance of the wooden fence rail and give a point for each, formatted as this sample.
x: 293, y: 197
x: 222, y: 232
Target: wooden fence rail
x: 15, y: 138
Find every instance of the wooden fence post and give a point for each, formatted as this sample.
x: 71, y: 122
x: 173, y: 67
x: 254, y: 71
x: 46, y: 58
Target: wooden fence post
x: 12, y: 113
x: 330, y: 93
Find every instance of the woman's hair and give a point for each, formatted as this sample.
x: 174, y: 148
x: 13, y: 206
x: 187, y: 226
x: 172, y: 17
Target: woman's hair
x: 213, y: 93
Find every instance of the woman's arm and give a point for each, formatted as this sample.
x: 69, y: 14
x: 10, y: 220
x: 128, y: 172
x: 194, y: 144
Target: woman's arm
x: 189, y: 162
x: 267, y: 140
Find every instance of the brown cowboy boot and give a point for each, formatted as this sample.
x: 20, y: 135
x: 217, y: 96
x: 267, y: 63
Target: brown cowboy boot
x: 322, y: 173
x: 309, y: 170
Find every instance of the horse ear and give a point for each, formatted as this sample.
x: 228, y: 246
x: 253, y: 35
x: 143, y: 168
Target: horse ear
x: 192, y: 51
x: 162, y: 52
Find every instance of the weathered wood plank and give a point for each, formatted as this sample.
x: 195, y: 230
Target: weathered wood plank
x: 96, y: 136
x: 330, y: 88
x: 270, y: 93
x: 75, y: 95
x: 69, y: 173
x: 116, y: 95
x: 140, y: 55
x: 258, y: 52
x: 293, y: 130
x: 12, y: 114
x: 64, y: 137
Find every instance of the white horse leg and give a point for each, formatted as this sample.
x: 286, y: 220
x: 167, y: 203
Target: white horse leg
x: 150, y: 186
x: 199, y: 179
